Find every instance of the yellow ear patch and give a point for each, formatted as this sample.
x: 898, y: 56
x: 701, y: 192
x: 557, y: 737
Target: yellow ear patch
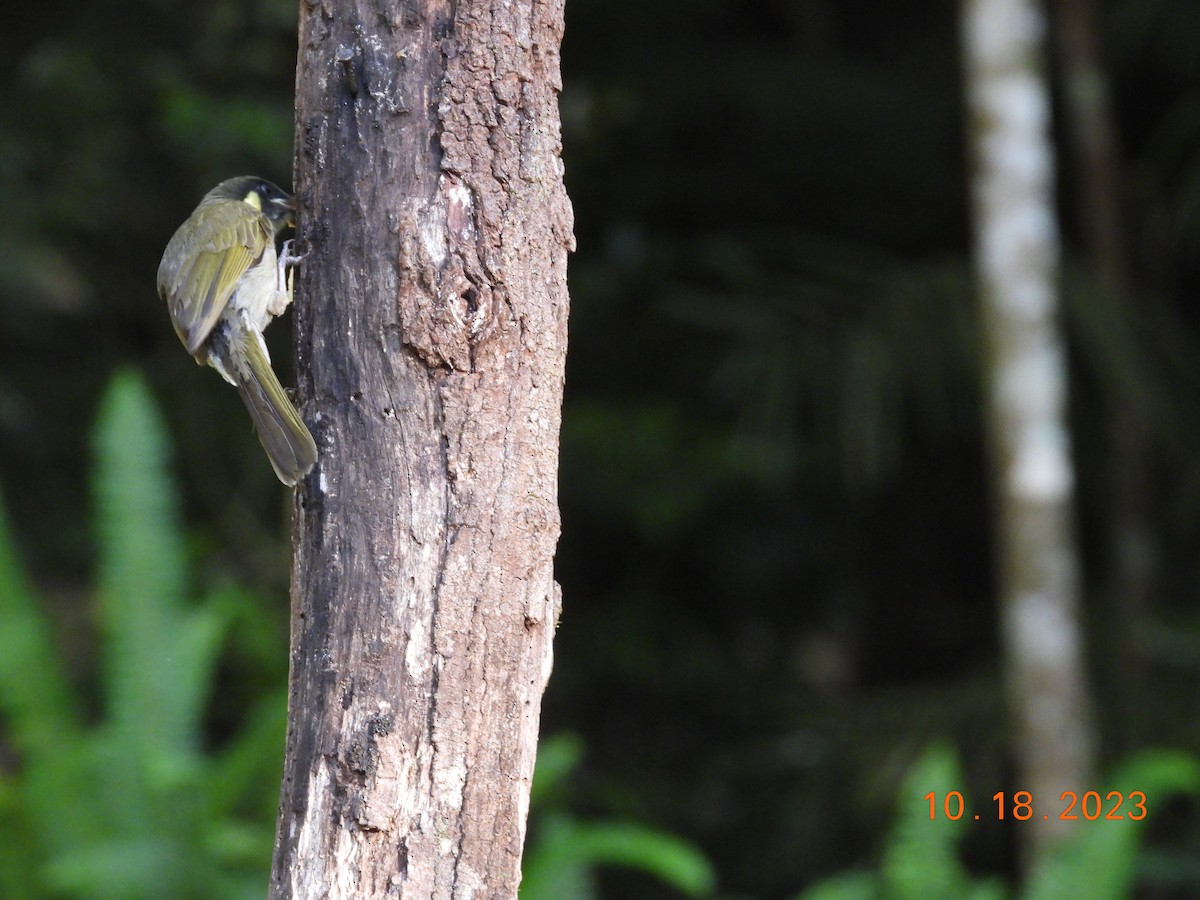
x: 254, y: 199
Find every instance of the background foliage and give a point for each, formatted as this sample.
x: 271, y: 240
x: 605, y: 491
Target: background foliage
x: 776, y: 557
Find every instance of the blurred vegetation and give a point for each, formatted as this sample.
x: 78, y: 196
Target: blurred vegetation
x: 128, y: 804
x: 920, y: 860
x: 563, y: 853
x: 776, y: 558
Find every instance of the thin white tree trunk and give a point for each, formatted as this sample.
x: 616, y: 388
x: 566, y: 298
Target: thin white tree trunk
x: 1017, y: 246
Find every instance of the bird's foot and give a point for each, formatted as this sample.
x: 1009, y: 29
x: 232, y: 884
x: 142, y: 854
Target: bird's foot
x: 287, y: 258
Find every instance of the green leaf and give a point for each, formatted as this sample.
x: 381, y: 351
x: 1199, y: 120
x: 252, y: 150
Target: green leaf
x: 550, y: 871
x: 567, y: 849
x: 251, y: 760
x: 142, y: 572
x: 557, y: 757
x: 1103, y: 855
x: 130, y: 808
x: 118, y: 869
x: 20, y: 858
x: 40, y: 710
x: 845, y: 886
x: 920, y: 861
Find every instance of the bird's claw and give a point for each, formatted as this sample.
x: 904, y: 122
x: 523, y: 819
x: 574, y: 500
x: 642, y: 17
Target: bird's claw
x: 287, y: 258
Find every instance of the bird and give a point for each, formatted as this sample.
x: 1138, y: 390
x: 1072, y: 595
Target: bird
x: 223, y: 282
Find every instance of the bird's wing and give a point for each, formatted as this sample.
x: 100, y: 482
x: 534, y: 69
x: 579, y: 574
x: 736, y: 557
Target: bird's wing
x: 203, y: 262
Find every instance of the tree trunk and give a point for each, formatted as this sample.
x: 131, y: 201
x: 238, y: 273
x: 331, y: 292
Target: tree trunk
x: 431, y: 319
x: 1017, y: 260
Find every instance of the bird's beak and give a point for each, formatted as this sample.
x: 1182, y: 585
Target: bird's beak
x: 289, y: 208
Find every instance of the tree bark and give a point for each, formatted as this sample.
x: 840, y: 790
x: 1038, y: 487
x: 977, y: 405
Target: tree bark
x: 431, y: 317
x: 1017, y: 248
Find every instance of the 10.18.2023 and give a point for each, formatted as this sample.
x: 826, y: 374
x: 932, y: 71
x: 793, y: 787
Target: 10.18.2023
x: 1020, y: 806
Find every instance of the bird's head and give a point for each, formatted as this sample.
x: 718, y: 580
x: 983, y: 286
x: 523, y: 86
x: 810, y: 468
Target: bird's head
x: 271, y: 200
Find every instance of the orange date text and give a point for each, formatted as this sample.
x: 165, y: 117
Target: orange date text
x: 1019, y: 805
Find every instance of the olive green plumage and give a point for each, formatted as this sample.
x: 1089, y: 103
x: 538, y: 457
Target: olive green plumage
x: 223, y: 283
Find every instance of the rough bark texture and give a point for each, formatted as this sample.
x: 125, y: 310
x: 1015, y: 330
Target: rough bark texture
x: 1017, y: 259
x: 431, y: 332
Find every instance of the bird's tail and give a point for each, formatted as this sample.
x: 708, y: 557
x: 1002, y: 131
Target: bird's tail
x: 240, y: 353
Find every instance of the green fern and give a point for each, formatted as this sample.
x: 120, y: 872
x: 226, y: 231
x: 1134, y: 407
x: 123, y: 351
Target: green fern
x: 921, y: 861
x: 562, y: 857
x: 1103, y: 855
x: 130, y: 807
